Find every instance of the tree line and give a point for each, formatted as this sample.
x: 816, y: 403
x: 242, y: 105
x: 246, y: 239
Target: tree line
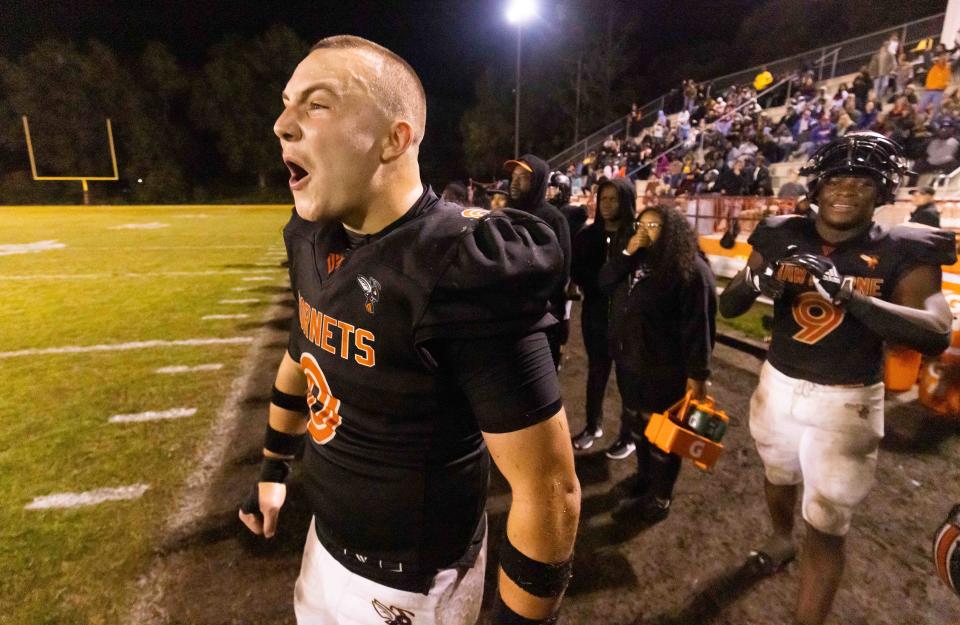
x: 180, y: 134
x: 204, y: 133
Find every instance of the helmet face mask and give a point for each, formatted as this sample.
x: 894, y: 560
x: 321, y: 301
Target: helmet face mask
x: 859, y: 153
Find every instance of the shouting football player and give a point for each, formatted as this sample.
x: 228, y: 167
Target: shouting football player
x: 417, y: 348
x: 842, y: 287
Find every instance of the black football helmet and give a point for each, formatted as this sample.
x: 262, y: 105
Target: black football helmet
x: 562, y: 182
x: 946, y: 550
x: 863, y: 152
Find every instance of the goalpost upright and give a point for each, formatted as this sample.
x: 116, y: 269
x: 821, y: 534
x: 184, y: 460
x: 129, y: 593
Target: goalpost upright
x: 82, y: 179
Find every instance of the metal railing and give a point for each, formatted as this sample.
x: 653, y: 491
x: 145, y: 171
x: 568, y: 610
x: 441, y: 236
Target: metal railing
x: 942, y: 180
x: 851, y: 53
x: 830, y: 61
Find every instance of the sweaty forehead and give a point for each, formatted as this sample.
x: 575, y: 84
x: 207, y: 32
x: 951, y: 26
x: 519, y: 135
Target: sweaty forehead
x: 346, y: 72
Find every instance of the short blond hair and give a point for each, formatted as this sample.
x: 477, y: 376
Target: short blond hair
x: 396, y: 86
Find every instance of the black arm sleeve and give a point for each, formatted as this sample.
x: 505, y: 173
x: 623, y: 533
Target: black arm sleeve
x: 613, y: 273
x: 923, y: 330
x: 738, y: 296
x: 699, y: 315
x: 510, y: 381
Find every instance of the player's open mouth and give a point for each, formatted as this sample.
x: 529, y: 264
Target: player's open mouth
x: 298, y: 175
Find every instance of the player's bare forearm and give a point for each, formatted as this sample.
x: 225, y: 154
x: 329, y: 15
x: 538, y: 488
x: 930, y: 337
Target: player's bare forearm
x: 290, y: 380
x: 545, y: 510
x: 260, y: 510
x: 739, y: 295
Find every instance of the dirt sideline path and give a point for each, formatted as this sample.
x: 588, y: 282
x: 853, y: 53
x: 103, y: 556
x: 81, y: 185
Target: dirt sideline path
x: 684, y: 571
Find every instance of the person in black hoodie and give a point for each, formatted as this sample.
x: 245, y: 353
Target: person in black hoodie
x: 592, y: 248
x: 662, y: 331
x: 528, y: 192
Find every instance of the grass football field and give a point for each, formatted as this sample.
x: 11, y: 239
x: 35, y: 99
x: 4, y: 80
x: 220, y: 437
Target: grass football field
x: 94, y: 278
x: 77, y: 284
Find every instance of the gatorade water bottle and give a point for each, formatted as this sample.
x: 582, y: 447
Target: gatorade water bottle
x: 698, y: 421
x: 716, y: 429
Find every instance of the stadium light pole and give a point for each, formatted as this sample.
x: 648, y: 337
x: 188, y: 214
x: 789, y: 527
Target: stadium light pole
x: 519, y: 12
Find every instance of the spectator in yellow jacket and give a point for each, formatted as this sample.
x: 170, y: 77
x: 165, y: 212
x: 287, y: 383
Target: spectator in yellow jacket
x: 763, y: 80
x: 938, y: 79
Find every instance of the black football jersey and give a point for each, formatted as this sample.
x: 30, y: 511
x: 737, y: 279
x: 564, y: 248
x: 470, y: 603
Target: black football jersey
x: 813, y: 339
x: 395, y: 467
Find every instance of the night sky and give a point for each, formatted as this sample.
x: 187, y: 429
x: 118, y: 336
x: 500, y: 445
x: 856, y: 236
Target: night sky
x: 448, y: 42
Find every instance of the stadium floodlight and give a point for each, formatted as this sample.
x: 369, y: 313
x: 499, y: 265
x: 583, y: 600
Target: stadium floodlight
x: 519, y: 12
x: 82, y: 179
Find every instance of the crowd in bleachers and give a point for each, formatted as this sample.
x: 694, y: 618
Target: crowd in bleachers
x: 708, y: 142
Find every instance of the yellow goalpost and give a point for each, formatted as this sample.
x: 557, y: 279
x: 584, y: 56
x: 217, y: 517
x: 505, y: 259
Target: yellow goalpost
x: 82, y: 179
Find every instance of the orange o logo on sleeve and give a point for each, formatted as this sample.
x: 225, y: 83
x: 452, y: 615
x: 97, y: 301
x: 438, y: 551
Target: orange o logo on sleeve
x: 474, y: 213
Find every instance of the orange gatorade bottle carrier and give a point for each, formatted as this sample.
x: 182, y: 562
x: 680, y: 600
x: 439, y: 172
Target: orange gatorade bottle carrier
x: 673, y: 431
x: 940, y: 378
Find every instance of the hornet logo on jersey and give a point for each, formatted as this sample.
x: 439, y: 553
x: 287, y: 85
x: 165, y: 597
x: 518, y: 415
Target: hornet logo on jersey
x: 872, y: 261
x: 371, y: 291
x: 393, y: 615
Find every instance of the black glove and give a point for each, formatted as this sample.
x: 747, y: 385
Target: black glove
x: 764, y: 280
x: 830, y: 284
x: 271, y: 470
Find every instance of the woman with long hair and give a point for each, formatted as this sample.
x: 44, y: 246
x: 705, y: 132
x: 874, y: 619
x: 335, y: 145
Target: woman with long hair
x: 662, y: 329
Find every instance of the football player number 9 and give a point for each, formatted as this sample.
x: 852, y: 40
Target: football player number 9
x: 324, y: 407
x: 816, y: 317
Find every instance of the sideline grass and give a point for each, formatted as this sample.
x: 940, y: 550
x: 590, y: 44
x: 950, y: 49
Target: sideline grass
x: 79, y: 565
x: 750, y: 322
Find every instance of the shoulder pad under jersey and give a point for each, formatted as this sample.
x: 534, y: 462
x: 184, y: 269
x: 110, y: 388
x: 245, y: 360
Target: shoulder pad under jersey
x: 772, y: 235
x: 496, y: 279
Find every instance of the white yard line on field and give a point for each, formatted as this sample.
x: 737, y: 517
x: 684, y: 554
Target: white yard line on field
x: 145, y: 274
x: 119, y: 347
x: 153, y: 415
x: 243, y: 288
x: 8, y: 249
x: 216, y: 317
x: 215, y: 366
x: 153, y: 225
x: 189, y: 508
x: 256, y: 278
x: 248, y: 300
x: 88, y: 498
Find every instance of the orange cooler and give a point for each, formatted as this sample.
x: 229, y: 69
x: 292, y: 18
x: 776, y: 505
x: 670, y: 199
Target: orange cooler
x: 668, y: 431
x: 901, y: 368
